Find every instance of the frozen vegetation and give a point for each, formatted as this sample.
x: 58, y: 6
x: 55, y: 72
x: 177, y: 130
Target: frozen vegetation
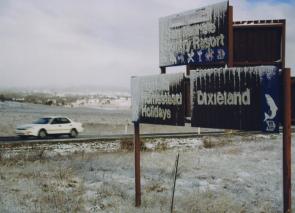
x: 108, y: 100
x: 231, y: 173
x: 96, y: 121
x: 216, y: 174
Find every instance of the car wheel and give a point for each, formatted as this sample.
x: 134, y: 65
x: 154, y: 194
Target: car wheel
x: 73, y: 133
x: 42, y: 134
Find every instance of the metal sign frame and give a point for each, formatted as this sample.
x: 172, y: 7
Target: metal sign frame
x: 286, y: 82
x: 249, y: 96
x: 158, y: 99
x: 198, y: 36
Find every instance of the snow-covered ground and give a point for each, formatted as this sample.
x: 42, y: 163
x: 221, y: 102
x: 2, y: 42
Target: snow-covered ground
x: 217, y: 174
x: 107, y: 103
x: 96, y: 120
x: 236, y: 174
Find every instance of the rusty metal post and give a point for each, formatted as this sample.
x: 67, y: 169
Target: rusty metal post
x: 283, y: 39
x: 287, y: 140
x: 137, y: 146
x: 163, y: 70
x: 230, y: 62
x: 187, y: 89
x: 190, y: 67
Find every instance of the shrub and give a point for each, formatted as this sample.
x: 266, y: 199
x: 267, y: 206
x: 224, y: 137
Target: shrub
x: 161, y: 146
x: 210, y: 142
x: 128, y: 145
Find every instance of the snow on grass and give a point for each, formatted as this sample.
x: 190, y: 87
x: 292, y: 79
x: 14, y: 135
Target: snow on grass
x: 96, y: 121
x: 243, y: 175
x: 107, y: 103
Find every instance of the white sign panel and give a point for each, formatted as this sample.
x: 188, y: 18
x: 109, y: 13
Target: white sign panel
x: 194, y: 37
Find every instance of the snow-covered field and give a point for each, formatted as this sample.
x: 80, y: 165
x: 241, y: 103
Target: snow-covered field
x: 229, y: 173
x: 108, y: 103
x: 224, y: 174
x: 110, y: 119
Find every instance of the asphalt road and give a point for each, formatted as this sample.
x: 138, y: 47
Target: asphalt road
x: 14, y: 140
x: 88, y: 138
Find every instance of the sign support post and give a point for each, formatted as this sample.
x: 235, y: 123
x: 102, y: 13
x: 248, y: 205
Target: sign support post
x: 287, y: 141
x: 137, y: 146
x: 230, y: 37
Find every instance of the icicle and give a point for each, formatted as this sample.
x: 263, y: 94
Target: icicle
x: 266, y: 71
x: 218, y: 11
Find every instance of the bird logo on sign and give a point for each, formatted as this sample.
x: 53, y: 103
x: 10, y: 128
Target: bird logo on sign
x: 272, y: 108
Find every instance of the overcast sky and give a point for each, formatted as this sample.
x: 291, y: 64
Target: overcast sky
x: 100, y: 43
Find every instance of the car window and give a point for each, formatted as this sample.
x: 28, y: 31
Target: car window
x: 64, y: 120
x: 60, y: 121
x: 42, y: 121
x: 56, y: 121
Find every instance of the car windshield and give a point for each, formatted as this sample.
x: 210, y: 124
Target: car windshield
x: 42, y: 121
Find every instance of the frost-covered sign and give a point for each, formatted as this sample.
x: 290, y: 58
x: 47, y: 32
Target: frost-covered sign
x: 158, y: 99
x: 194, y: 37
x: 245, y: 98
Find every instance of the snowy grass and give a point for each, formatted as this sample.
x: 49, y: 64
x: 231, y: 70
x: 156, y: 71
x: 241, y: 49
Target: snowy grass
x: 243, y: 175
x: 95, y: 121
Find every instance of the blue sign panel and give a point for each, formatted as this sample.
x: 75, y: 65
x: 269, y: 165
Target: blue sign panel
x: 243, y: 98
x: 195, y: 37
x: 271, y: 96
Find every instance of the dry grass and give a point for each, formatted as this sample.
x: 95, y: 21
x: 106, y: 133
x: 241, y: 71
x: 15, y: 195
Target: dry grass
x: 233, y: 151
x: 31, y: 181
x: 212, y: 202
x: 161, y: 146
x: 209, y: 202
x: 109, y: 195
x: 154, y: 187
x: 258, y: 138
x: 127, y: 144
x: 62, y: 197
x: 214, y: 142
x: 30, y: 154
x: 36, y: 183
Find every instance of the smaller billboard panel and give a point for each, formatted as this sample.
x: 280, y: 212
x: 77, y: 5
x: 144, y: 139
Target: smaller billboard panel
x: 158, y: 99
x: 244, y: 98
x: 196, y: 36
x: 258, y: 43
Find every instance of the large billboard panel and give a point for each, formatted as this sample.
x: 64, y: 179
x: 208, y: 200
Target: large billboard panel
x: 258, y: 43
x: 158, y: 99
x: 243, y: 98
x: 197, y: 36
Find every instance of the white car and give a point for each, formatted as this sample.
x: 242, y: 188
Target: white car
x: 51, y: 125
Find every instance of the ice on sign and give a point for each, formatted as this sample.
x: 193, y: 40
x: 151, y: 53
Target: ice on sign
x: 194, y: 37
x: 158, y: 99
x: 245, y: 98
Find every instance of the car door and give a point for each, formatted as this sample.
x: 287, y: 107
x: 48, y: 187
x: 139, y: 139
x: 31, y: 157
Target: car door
x: 55, y: 126
x: 66, y: 125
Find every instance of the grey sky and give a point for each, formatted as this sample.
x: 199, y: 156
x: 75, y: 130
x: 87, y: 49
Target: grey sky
x: 103, y: 43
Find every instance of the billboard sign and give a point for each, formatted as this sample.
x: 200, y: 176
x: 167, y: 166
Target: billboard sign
x: 158, y: 99
x: 194, y: 37
x: 258, y: 42
x: 243, y: 98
